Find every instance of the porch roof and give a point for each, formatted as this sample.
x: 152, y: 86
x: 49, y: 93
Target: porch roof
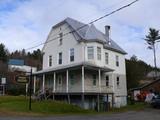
x: 74, y: 66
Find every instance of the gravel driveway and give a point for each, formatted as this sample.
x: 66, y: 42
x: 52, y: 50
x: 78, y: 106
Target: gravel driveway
x: 148, y: 114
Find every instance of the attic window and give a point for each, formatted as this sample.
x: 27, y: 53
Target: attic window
x: 60, y: 38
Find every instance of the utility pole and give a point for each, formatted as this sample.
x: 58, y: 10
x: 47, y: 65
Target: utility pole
x: 30, y: 91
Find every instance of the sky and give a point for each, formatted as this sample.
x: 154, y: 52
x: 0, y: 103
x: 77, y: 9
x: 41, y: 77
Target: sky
x: 26, y: 23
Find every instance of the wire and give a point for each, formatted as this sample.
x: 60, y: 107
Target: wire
x: 125, y: 6
x: 109, y: 7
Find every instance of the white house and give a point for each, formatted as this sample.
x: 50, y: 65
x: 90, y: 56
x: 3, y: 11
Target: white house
x: 83, y: 66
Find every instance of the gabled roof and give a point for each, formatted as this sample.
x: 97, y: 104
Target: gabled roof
x: 90, y: 33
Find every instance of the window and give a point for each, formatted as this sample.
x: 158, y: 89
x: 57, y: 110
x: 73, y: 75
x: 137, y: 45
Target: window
x: 99, y: 53
x: 60, y: 80
x: 107, y: 80
x: 118, y: 82
x: 90, y: 51
x: 50, y: 60
x: 72, y: 79
x: 60, y: 58
x: 60, y: 38
x: 94, y: 79
x: 106, y: 58
x: 117, y: 60
x: 71, y: 54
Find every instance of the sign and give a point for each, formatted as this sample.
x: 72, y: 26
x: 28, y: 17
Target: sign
x: 3, y: 81
x: 22, y: 79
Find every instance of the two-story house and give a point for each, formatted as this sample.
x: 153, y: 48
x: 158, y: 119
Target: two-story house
x: 83, y: 66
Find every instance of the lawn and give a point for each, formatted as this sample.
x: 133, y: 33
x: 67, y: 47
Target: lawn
x: 18, y: 105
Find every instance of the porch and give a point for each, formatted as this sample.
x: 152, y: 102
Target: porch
x: 79, y: 80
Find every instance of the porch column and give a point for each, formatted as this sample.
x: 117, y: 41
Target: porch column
x: 34, y: 84
x: 54, y: 82
x: 43, y: 84
x: 99, y: 79
x: 67, y: 81
x: 82, y: 79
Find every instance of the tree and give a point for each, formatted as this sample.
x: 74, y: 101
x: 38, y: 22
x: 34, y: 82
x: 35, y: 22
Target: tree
x: 3, y: 53
x: 153, y: 37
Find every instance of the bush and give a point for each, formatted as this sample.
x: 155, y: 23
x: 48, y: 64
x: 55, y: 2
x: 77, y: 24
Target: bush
x: 18, y: 89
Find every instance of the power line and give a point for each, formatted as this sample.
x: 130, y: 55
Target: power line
x: 109, y: 7
x: 125, y: 6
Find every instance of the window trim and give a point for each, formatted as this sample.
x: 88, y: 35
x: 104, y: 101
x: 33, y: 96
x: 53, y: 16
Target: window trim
x: 71, y: 57
x: 117, y: 60
x: 106, y: 58
x: 99, y: 53
x: 60, y: 62
x: 60, y: 38
x: 107, y: 80
x: 118, y: 81
x: 50, y: 61
x: 90, y: 55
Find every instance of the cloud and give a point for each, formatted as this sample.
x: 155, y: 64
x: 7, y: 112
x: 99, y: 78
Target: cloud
x: 26, y: 23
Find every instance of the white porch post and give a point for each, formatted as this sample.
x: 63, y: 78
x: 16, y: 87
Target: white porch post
x: 83, y: 79
x: 34, y: 85
x: 99, y: 79
x: 54, y: 82
x: 43, y: 84
x: 67, y: 81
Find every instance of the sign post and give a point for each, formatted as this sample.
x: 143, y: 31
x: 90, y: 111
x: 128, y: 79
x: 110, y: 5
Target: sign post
x: 30, y: 91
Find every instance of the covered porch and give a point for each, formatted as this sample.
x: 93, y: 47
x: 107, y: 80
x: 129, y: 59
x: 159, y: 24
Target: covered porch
x: 74, y: 81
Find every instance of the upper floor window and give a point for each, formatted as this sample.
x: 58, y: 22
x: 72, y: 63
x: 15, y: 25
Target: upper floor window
x: 60, y: 58
x: 106, y: 58
x: 118, y: 82
x: 99, y: 53
x: 107, y: 80
x: 90, y: 52
x: 50, y: 61
x: 60, y: 38
x: 94, y: 79
x: 71, y: 54
x: 117, y: 60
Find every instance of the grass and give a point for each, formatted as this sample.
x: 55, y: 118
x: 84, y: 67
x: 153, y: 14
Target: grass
x: 18, y: 106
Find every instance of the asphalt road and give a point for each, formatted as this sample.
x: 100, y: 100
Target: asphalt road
x: 148, y: 114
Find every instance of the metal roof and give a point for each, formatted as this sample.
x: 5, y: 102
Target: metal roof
x: 74, y: 65
x: 90, y: 33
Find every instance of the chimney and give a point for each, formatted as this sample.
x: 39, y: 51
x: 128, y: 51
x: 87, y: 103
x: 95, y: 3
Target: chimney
x: 107, y: 33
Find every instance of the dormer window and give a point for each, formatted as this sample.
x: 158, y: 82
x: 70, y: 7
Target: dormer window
x: 60, y: 38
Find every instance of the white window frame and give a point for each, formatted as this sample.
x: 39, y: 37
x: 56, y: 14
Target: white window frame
x: 106, y: 58
x: 59, y: 58
x: 117, y: 60
x: 118, y: 81
x: 50, y: 60
x: 71, y: 54
x: 99, y: 53
x: 60, y: 38
x: 107, y: 80
x: 90, y: 52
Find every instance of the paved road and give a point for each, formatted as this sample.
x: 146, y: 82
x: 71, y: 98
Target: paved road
x: 148, y: 114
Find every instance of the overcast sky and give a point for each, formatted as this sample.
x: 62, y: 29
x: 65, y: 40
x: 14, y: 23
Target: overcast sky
x: 26, y: 23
